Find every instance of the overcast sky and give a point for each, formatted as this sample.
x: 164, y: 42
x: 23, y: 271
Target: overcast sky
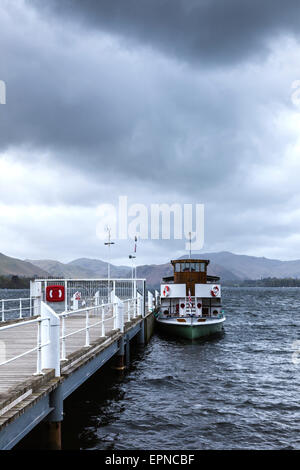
x: 165, y: 101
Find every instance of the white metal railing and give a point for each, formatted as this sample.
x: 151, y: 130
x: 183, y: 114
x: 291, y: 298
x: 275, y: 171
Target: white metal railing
x: 40, y: 344
x: 103, y: 312
x: 89, y: 288
x: 52, y: 335
x: 190, y: 306
x: 117, y: 313
x: 16, y: 308
x: 130, y: 309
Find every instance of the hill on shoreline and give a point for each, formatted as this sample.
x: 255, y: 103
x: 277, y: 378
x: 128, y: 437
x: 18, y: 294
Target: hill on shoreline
x: 228, y: 266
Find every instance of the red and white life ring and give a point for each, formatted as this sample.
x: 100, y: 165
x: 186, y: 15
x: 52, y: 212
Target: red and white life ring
x: 166, y: 291
x: 77, y: 295
x: 215, y: 291
x: 55, y: 293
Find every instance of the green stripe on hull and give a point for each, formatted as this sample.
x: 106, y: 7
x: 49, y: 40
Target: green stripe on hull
x: 191, y: 332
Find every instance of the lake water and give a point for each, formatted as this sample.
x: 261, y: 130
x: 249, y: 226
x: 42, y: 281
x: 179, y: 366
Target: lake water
x: 237, y: 391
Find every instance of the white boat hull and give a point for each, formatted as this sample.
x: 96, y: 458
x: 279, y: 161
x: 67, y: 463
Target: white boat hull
x: 191, y: 327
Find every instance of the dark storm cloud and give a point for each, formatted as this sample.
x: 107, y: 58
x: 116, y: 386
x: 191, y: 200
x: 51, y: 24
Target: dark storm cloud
x: 207, y: 31
x: 90, y: 102
x: 160, y: 101
x: 100, y: 109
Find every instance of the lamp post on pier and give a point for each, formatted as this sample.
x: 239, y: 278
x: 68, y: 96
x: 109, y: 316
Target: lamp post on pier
x: 108, y: 243
x: 132, y: 257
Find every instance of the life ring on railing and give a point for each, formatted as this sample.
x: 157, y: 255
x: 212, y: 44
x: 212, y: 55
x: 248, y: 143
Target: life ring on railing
x: 215, y: 291
x: 55, y: 293
x: 166, y: 291
x: 77, y: 295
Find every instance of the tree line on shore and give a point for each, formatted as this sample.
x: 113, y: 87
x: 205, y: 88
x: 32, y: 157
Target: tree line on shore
x: 265, y: 282
x: 16, y: 282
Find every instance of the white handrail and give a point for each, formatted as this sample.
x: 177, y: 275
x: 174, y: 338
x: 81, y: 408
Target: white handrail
x: 98, y: 310
x: 37, y: 348
x: 51, y: 332
x: 18, y: 310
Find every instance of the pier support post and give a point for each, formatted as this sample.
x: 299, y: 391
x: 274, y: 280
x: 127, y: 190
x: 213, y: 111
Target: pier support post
x: 121, y: 355
x: 127, y: 352
x: 55, y: 418
x: 141, y: 333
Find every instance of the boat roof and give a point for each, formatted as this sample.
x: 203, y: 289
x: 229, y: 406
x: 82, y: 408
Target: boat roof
x: 188, y: 260
x: 209, y: 279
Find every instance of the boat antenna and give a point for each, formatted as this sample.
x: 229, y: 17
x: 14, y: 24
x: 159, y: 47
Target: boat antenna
x: 190, y: 236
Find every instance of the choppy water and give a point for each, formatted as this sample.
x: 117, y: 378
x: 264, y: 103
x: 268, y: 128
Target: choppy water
x: 14, y: 293
x: 237, y: 391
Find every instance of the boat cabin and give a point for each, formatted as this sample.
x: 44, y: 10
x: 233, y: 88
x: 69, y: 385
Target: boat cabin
x: 190, y: 291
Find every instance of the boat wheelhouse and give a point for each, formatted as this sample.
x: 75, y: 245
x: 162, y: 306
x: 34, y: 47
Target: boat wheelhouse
x: 191, y: 300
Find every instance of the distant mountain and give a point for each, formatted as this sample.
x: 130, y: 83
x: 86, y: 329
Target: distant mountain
x: 252, y: 267
x: 98, y: 268
x: 16, y: 267
x: 153, y: 273
x: 228, y: 266
x: 55, y: 268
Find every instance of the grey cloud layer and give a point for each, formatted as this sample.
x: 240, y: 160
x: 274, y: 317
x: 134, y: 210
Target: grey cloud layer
x: 92, y: 113
x: 206, y: 31
x: 94, y: 105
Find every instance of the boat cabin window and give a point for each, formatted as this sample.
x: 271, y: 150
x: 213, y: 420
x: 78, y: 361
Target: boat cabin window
x: 185, y: 267
x: 190, y: 267
x: 177, y: 267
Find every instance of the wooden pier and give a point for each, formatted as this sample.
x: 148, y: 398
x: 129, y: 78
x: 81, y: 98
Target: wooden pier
x: 44, y: 358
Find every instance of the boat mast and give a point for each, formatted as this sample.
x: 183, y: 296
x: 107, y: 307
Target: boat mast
x: 190, y: 274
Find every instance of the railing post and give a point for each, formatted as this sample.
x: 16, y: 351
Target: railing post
x: 50, y: 330
x: 121, y: 316
x: 114, y: 316
x: 129, y: 308
x: 66, y: 296
x: 20, y: 308
x: 150, y: 301
x: 39, y: 366
x: 87, y: 329
x: 36, y: 294
x: 140, y: 305
x: 63, y: 339
x: 2, y: 310
x: 103, y: 318
x: 97, y: 298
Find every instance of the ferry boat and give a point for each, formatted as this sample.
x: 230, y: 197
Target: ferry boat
x: 190, y: 301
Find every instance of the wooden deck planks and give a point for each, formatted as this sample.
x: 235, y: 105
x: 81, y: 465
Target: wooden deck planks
x: 16, y: 341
